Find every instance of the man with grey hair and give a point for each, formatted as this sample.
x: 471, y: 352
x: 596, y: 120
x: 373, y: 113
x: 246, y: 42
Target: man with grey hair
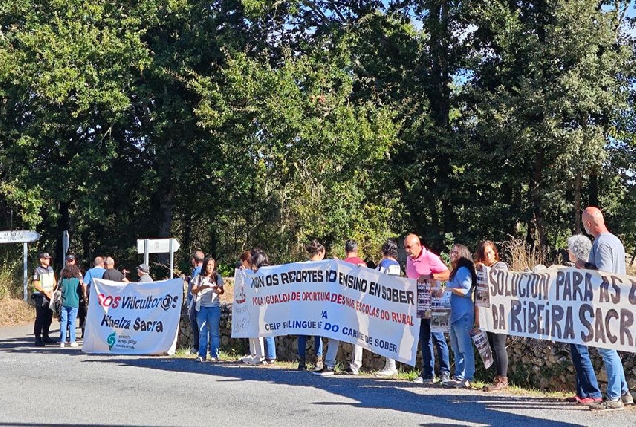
x: 587, y: 389
x: 111, y: 273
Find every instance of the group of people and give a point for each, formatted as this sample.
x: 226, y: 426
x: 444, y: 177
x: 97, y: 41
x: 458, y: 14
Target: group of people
x: 605, y: 253
x: 68, y: 296
x: 205, y: 286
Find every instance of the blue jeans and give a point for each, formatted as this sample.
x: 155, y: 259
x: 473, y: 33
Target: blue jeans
x: 68, y: 317
x: 302, y: 346
x: 208, y: 319
x: 462, y: 345
x: 616, y: 384
x: 428, y: 358
x: 270, y: 348
x: 586, y: 384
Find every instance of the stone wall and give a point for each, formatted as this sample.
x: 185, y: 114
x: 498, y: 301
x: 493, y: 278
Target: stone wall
x: 535, y: 364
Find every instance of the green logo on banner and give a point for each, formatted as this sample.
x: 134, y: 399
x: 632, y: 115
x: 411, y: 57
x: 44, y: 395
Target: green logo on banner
x: 112, y: 338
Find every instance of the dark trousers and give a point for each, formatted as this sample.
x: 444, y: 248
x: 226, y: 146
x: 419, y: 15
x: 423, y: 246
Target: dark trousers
x: 81, y: 314
x: 427, y: 339
x: 499, y: 353
x: 43, y: 317
x: 586, y: 383
x: 195, y: 327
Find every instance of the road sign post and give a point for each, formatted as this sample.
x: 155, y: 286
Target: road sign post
x: 158, y: 246
x: 24, y: 237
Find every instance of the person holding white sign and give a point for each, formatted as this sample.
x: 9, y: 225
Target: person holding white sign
x: 461, y: 283
x: 587, y: 389
x: 267, y: 345
x: 389, y: 265
x: 207, y: 287
x: 316, y: 252
x: 423, y: 265
x: 256, y: 344
x: 608, y: 254
x: 488, y: 255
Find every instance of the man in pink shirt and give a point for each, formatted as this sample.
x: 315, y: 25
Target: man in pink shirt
x: 422, y: 264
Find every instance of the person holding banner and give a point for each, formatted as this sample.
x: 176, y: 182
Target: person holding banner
x: 316, y: 252
x: 423, y: 265
x: 207, y: 287
x: 587, y: 389
x: 256, y: 344
x: 461, y: 283
x: 488, y: 255
x: 351, y: 251
x: 607, y: 254
x: 260, y: 259
x: 389, y: 265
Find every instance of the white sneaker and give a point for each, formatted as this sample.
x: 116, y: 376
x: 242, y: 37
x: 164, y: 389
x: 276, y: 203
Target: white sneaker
x: 253, y: 361
x: 386, y: 372
x: 74, y: 344
x: 62, y: 345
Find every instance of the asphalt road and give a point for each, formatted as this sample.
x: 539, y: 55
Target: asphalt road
x: 64, y: 387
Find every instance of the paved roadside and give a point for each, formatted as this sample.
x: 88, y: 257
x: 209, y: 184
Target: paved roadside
x: 63, y: 386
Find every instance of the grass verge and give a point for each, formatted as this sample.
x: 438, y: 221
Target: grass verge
x: 15, y: 311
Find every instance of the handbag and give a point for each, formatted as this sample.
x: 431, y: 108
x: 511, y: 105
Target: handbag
x: 56, y: 302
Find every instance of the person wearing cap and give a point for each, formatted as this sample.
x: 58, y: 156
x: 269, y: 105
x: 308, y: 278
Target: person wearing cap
x: 143, y: 271
x: 43, y: 286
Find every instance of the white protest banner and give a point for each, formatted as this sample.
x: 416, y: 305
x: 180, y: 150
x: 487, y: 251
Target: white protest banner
x: 569, y: 305
x: 332, y: 299
x: 133, y: 318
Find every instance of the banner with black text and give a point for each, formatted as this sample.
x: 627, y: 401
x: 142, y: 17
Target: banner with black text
x: 133, y: 318
x: 331, y: 299
x: 569, y: 305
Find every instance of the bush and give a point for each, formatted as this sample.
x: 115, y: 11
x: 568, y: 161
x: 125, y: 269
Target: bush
x: 10, y: 283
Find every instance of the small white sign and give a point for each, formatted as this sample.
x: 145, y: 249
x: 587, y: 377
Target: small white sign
x: 18, y: 236
x: 157, y: 246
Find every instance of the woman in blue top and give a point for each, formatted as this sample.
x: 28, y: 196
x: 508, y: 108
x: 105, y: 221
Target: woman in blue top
x: 461, y: 284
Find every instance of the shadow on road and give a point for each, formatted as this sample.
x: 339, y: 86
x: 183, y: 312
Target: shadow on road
x: 398, y: 395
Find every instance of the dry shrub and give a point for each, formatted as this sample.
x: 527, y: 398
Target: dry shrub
x: 520, y: 256
x: 14, y: 311
x: 228, y: 286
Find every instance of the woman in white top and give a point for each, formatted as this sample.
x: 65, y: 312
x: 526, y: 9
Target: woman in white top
x: 208, y: 285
